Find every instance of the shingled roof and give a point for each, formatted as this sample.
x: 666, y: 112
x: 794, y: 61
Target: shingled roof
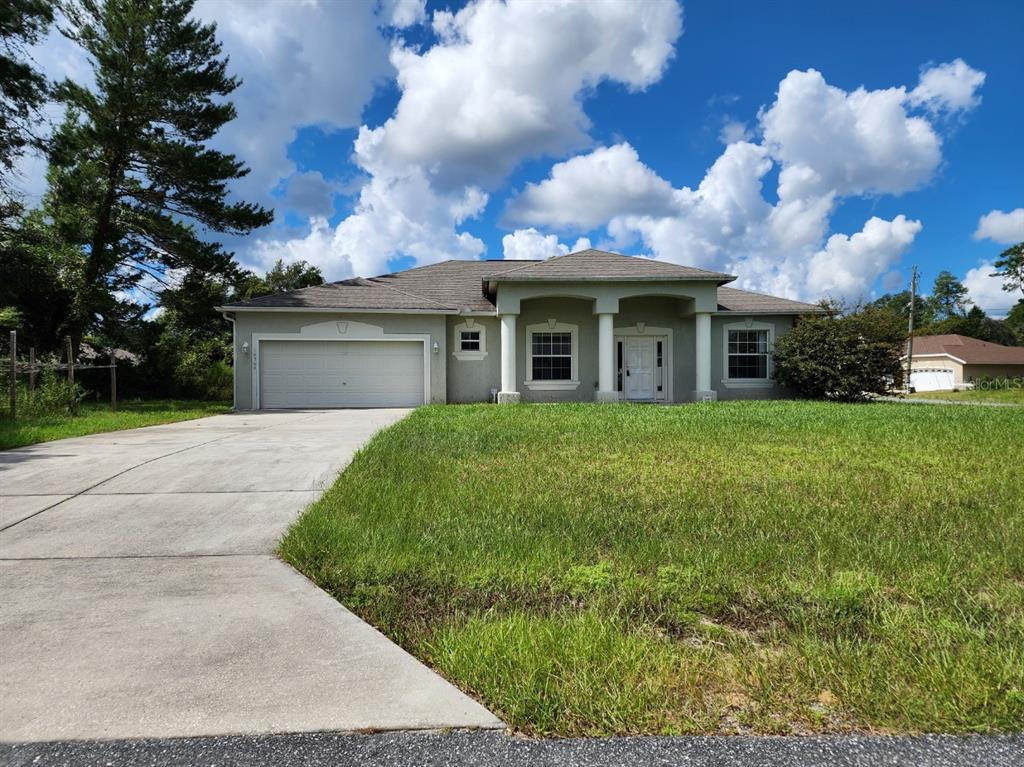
x: 457, y: 286
x: 594, y: 264
x: 971, y: 351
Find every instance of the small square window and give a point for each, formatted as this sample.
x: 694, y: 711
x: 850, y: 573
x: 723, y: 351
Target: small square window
x: 469, y: 341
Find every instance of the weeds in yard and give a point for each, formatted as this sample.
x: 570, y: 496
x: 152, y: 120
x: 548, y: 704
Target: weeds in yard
x: 736, y: 567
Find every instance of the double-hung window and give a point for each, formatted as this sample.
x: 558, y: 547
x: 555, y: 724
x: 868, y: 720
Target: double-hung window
x: 469, y: 341
x: 747, y: 352
x: 551, y: 356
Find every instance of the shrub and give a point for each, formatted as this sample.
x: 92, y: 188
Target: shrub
x: 53, y: 396
x: 842, y: 358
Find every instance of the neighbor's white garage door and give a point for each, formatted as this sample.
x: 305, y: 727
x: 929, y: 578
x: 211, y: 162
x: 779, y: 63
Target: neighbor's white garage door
x: 931, y: 379
x: 312, y: 374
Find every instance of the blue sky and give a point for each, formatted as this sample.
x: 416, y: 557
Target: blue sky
x: 529, y: 129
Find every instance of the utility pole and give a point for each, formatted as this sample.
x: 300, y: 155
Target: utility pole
x: 910, y: 324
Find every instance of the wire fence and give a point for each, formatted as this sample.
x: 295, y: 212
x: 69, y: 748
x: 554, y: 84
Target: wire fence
x: 30, y: 368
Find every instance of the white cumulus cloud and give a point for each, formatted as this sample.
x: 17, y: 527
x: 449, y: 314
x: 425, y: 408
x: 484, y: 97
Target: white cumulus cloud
x: 525, y: 244
x: 847, y: 266
x: 1005, y: 228
x: 949, y: 87
x: 827, y: 144
x: 590, y: 189
x: 987, y: 291
x: 504, y: 82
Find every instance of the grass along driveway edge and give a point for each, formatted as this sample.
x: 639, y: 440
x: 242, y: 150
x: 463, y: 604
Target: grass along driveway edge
x: 98, y: 418
x: 774, y: 567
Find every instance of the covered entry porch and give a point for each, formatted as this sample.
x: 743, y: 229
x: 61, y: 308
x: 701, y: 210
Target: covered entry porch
x: 639, y: 343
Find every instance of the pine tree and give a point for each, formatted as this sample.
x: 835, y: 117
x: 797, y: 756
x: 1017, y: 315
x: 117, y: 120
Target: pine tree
x: 22, y: 88
x: 132, y: 176
x: 949, y: 296
x: 1010, y: 266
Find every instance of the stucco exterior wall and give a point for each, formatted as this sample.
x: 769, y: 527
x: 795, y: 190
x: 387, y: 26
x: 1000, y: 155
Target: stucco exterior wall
x: 571, y: 311
x: 779, y: 325
x: 972, y: 373
x: 249, y: 323
x: 471, y: 380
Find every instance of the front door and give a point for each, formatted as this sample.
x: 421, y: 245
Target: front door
x: 639, y: 372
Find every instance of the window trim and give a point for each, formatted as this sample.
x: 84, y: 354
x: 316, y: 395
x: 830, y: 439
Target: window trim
x: 553, y: 326
x: 748, y: 383
x: 470, y: 325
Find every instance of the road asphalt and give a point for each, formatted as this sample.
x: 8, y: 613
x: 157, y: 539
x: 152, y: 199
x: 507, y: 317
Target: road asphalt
x: 484, y: 749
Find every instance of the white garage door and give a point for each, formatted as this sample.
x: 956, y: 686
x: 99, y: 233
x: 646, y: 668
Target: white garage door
x: 314, y: 374
x: 931, y: 379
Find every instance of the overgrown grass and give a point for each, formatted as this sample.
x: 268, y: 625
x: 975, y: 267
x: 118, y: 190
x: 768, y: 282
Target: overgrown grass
x: 95, y: 418
x: 778, y: 567
x: 1014, y: 396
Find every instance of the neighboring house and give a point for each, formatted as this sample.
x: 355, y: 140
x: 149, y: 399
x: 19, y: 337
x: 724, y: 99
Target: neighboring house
x: 581, y: 327
x: 952, y: 361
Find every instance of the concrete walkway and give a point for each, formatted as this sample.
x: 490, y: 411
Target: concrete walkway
x: 139, y: 595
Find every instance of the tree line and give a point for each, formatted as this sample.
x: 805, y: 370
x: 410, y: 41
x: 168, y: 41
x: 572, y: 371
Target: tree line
x: 125, y: 248
x: 949, y: 308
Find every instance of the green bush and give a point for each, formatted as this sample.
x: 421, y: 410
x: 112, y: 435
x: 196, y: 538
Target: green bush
x: 53, y: 396
x: 842, y: 358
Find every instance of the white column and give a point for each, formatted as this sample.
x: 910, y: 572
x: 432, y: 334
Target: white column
x: 606, y: 358
x: 508, y: 391
x: 703, y: 360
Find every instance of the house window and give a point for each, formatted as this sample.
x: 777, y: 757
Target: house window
x: 469, y: 341
x: 551, y: 356
x: 748, y: 353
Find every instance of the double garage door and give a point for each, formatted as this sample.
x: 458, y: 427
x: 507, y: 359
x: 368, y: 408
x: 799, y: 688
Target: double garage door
x: 931, y: 379
x: 326, y: 374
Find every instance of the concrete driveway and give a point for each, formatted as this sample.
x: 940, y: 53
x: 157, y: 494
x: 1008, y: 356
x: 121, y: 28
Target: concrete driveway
x: 139, y: 595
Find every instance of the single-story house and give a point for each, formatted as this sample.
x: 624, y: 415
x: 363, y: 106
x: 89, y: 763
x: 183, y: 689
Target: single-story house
x: 586, y: 326
x: 953, y: 361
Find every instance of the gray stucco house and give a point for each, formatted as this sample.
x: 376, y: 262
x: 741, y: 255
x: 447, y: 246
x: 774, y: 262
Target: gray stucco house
x: 585, y: 326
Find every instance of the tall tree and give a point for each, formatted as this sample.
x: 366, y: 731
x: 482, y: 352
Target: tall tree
x: 1010, y: 266
x: 133, y: 151
x: 975, y: 324
x: 949, y: 296
x: 899, y: 303
x: 1015, y: 321
x: 280, y: 279
x: 22, y: 88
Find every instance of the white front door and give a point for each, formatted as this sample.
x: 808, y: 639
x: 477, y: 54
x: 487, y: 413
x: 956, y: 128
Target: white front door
x: 639, y: 373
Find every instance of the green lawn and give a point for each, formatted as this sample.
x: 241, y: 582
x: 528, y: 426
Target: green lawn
x: 96, y: 418
x: 1014, y: 396
x: 775, y: 567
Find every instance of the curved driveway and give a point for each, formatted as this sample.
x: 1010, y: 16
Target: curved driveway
x: 139, y: 595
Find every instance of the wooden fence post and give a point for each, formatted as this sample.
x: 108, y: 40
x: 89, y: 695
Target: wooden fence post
x: 14, y: 374
x: 71, y: 363
x: 113, y: 382
x: 31, y: 370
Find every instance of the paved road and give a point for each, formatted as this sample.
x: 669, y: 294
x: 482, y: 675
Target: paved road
x: 483, y: 749
x: 139, y: 596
